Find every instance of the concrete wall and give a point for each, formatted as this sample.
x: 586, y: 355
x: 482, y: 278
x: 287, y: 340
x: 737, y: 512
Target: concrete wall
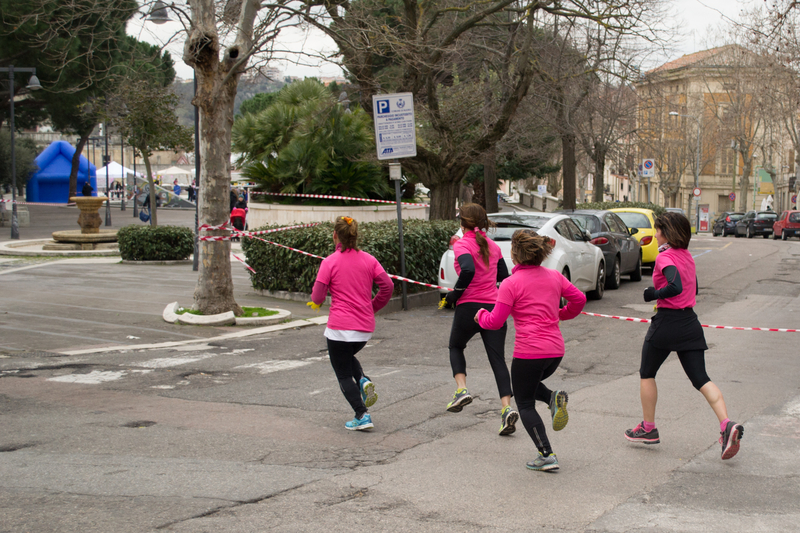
x: 264, y: 214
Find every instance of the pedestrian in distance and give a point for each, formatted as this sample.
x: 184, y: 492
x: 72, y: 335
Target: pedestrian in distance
x: 348, y: 274
x: 531, y: 295
x: 480, y: 266
x: 676, y: 328
x: 87, y: 189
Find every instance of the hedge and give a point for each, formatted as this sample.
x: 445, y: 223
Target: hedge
x: 657, y: 209
x: 160, y: 243
x: 279, y: 269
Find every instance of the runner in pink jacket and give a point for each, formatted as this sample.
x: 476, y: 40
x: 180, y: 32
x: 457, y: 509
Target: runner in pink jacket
x: 531, y: 296
x: 349, y: 273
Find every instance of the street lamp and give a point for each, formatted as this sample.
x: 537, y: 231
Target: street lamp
x: 33, y: 85
x: 696, y: 170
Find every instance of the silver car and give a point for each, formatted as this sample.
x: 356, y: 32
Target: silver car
x: 580, y: 261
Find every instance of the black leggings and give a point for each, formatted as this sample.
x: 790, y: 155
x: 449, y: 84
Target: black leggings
x: 527, y: 376
x: 348, y: 372
x: 464, y: 328
x: 693, y: 362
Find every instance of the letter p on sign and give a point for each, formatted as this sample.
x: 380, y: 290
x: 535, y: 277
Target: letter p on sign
x: 383, y: 106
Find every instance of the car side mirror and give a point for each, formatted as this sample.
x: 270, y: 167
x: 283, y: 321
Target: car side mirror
x: 633, y: 231
x: 587, y: 236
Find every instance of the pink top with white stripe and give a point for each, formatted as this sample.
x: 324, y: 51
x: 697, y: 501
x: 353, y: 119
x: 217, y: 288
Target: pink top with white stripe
x: 531, y: 295
x: 349, y: 276
x: 483, y: 287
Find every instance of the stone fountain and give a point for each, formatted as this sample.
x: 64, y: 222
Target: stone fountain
x: 90, y: 236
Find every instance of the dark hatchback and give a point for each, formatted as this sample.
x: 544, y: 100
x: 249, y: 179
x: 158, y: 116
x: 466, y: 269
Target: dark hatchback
x: 726, y: 223
x: 756, y: 223
x: 621, y: 251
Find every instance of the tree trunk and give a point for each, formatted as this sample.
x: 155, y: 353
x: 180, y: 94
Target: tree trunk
x: 152, y: 192
x: 744, y: 185
x: 599, y: 172
x: 76, y: 161
x: 443, y: 200
x: 569, y: 164
x: 490, y: 181
x: 214, y: 291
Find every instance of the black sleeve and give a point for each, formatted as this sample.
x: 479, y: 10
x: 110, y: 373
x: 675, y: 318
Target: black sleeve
x: 674, y: 286
x: 467, y: 273
x: 502, y: 270
x: 696, y: 286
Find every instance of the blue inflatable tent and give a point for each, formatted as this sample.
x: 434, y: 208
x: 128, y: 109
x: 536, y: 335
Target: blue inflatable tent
x: 51, y: 182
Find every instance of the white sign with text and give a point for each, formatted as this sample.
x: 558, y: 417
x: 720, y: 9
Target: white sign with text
x: 395, y: 134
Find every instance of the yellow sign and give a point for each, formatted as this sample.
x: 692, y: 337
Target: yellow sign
x: 765, y: 185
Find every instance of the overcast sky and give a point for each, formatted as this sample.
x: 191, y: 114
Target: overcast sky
x: 698, y: 18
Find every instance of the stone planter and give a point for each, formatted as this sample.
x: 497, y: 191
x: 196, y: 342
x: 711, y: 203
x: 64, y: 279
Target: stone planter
x: 89, y: 220
x: 264, y: 214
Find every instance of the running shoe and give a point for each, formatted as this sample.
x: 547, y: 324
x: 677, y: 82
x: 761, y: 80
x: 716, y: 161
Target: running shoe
x: 558, y: 409
x: 368, y: 394
x: 508, y: 418
x: 360, y: 424
x: 730, y: 439
x: 543, y: 463
x: 460, y: 399
x: 638, y: 434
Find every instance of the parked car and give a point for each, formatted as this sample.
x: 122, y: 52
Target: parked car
x: 676, y: 210
x: 725, y: 224
x: 787, y: 225
x: 756, y: 223
x: 502, y: 197
x: 643, y: 220
x: 573, y: 255
x: 621, y: 250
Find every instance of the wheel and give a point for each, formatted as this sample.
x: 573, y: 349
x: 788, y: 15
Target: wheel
x: 749, y: 233
x: 714, y: 233
x: 613, y: 282
x: 774, y: 236
x: 636, y: 275
x: 783, y: 235
x: 600, y: 283
x: 765, y: 235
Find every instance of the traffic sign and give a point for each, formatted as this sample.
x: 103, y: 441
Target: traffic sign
x: 648, y: 168
x: 794, y: 199
x: 732, y: 196
x: 395, y: 134
x: 696, y: 192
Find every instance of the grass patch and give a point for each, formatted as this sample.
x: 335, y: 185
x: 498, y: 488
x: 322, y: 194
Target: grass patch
x: 257, y: 311
x: 249, y: 312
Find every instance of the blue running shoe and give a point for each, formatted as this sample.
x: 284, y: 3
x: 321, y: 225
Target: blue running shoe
x: 543, y: 464
x: 368, y: 394
x: 460, y: 399
x: 360, y: 424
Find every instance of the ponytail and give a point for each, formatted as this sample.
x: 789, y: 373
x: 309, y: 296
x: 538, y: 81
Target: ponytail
x: 473, y: 217
x: 346, y: 229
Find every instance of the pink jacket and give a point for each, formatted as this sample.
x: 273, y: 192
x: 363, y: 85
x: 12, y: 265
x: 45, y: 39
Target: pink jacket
x: 349, y: 276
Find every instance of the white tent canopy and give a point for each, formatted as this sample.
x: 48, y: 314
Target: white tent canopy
x: 169, y: 175
x: 115, y: 171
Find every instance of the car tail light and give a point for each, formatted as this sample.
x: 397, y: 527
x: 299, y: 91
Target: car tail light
x: 646, y: 240
x: 454, y: 239
x: 727, y: 219
x: 597, y: 241
x: 441, y: 273
x: 552, y: 242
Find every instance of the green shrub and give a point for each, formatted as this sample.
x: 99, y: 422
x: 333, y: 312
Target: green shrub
x: 160, y: 243
x: 657, y: 209
x: 279, y: 269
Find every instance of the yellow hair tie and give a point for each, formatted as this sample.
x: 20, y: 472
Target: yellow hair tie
x: 348, y: 220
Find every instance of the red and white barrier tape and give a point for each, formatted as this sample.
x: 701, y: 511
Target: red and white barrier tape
x: 244, y: 263
x: 237, y: 233
x: 737, y: 328
x: 329, y: 197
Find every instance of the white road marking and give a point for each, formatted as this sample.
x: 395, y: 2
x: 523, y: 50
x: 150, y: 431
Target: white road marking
x: 167, y: 362
x: 386, y: 374
x: 268, y: 367
x: 92, y: 378
x: 191, y: 348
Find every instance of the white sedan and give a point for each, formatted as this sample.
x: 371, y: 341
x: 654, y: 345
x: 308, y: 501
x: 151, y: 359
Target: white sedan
x: 580, y: 261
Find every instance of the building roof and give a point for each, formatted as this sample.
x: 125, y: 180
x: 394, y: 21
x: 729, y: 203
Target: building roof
x: 691, y: 59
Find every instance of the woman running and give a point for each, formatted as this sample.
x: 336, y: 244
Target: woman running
x: 676, y: 328
x: 532, y: 296
x: 348, y: 273
x: 480, y: 266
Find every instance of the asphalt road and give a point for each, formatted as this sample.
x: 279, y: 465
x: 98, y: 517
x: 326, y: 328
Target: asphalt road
x: 246, y: 434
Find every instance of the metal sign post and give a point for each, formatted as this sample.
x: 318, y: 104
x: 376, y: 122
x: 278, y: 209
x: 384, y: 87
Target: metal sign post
x: 395, y: 137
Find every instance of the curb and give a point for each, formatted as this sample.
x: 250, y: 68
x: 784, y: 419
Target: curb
x: 171, y: 315
x: 12, y: 248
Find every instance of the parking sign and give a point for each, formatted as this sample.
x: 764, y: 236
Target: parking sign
x: 649, y: 168
x: 395, y: 134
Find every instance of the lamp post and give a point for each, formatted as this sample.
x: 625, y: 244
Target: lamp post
x: 33, y: 85
x: 696, y: 170
x: 107, y: 161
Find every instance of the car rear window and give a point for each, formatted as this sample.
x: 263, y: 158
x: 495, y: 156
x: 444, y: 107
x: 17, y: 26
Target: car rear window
x: 506, y: 226
x: 794, y: 217
x: 735, y: 217
x: 767, y: 216
x: 634, y: 220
